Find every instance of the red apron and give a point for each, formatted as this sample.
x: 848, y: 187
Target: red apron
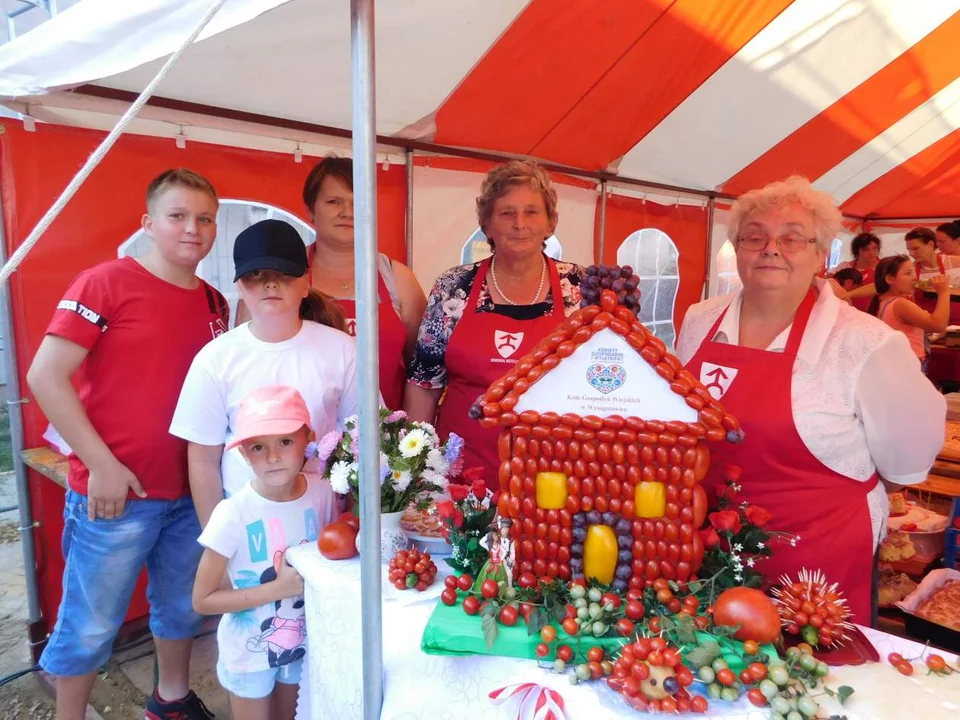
x: 393, y: 340
x: 863, y: 303
x: 826, y: 509
x: 484, y: 346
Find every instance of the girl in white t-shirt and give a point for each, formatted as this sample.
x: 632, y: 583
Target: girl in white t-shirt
x: 262, y: 636
x: 277, y: 347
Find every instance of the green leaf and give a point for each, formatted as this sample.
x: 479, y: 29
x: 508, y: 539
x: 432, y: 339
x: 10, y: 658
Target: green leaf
x: 472, y: 544
x: 559, y: 612
x: 489, y: 624
x: 538, y: 619
x: 703, y: 654
x: 686, y: 630
x: 492, y: 609
x: 695, y: 586
x: 844, y: 692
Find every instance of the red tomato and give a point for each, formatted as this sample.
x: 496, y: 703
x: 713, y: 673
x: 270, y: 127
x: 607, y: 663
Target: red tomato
x: 758, y: 671
x: 338, y: 541
x: 471, y: 605
x: 611, y: 598
x: 542, y: 650
x: 726, y: 677
x: 570, y: 626
x: 565, y: 653
x: 753, y: 611
x: 698, y: 703
x: 746, y: 678
x: 668, y: 704
x: 595, y: 654
x: 671, y: 657
x: 596, y: 670
x: 489, y: 589
x: 449, y: 596
x: 450, y: 582
x: 905, y: 668
x: 634, y: 609
x: 527, y: 580
x: 625, y: 627
x: 640, y: 670
x: 465, y: 582
x: 548, y: 634
x: 350, y: 519
x: 509, y: 615
x: 756, y: 697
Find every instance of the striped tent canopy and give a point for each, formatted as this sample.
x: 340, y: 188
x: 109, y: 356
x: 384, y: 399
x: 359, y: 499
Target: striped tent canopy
x: 719, y: 96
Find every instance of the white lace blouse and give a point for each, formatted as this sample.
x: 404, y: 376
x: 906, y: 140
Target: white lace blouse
x: 860, y: 401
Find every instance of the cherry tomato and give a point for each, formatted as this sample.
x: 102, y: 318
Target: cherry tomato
x: 634, y: 609
x: 654, y: 624
x: 527, y: 580
x: 449, y: 596
x: 548, y: 634
x: 671, y: 657
x: 668, y: 704
x: 658, y: 643
x: 611, y: 598
x: 936, y: 663
x: 640, y: 670
x: 746, y: 678
x: 655, y: 658
x: 450, y: 582
x: 684, y: 675
x: 625, y: 627
x: 570, y: 626
x: 509, y: 615
x: 751, y: 647
x: 905, y: 668
x: 698, y: 703
x: 471, y: 605
x: 465, y: 582
x: 565, y: 653
x: 894, y: 658
x: 665, y: 595
x: 756, y: 697
x: 489, y: 589
x: 758, y: 671
x: 542, y: 650
x: 674, y: 605
x: 596, y: 670
x: 726, y: 677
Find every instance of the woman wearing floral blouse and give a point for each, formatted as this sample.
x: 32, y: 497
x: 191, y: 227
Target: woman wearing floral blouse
x: 482, y: 318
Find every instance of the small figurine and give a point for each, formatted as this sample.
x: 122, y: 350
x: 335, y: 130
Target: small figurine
x: 499, y: 566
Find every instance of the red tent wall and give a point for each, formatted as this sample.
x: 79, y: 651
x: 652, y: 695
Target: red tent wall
x: 34, y: 169
x: 687, y: 227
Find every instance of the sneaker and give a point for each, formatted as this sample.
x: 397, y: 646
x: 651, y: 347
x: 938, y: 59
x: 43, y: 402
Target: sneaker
x: 190, y: 707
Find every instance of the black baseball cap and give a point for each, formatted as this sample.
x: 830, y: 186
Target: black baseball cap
x: 270, y: 245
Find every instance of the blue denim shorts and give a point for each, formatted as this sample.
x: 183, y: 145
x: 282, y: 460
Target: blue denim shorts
x: 103, y: 560
x: 256, y: 685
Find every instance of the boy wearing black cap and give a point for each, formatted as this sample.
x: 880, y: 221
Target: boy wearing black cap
x: 278, y: 346
x: 126, y: 332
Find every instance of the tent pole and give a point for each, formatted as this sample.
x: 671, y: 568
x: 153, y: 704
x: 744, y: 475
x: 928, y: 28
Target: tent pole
x: 365, y: 267
x: 603, y: 219
x: 409, y: 233
x: 14, y: 401
x: 711, y: 202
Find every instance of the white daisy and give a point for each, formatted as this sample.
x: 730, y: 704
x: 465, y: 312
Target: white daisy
x: 412, y: 443
x: 437, y: 462
x: 436, y: 478
x: 339, y: 475
x: 401, y: 479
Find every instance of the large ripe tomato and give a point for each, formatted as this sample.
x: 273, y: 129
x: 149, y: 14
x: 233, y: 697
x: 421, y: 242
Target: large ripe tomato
x: 753, y: 611
x: 699, y: 506
x: 337, y: 541
x: 350, y: 519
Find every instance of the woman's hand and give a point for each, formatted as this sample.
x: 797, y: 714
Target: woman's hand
x: 288, y: 584
x: 941, y: 284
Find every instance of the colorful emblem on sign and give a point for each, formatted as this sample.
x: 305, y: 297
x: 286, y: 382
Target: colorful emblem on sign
x: 606, y: 378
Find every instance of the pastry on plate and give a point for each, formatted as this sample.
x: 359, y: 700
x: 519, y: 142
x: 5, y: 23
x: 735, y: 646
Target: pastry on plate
x: 943, y: 606
x: 897, y: 547
x: 894, y: 587
x: 898, y: 503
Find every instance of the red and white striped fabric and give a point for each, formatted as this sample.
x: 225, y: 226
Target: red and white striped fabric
x: 862, y: 97
x: 536, y: 701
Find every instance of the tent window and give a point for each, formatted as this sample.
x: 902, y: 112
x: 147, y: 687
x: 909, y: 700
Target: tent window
x: 476, y: 248
x: 836, y: 249
x: 233, y: 217
x: 728, y: 279
x: 655, y: 259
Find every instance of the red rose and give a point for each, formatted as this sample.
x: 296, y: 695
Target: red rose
x: 733, y: 473
x: 473, y: 473
x: 710, y: 538
x: 457, y: 519
x: 727, y: 520
x: 445, y: 509
x: 757, y: 516
x: 458, y: 492
x: 479, y: 489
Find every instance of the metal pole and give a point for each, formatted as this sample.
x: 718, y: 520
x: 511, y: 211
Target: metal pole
x: 603, y: 219
x: 409, y: 156
x: 20, y: 470
x: 708, y: 260
x: 365, y: 266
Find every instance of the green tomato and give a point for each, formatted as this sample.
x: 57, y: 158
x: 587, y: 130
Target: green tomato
x: 509, y: 593
x: 791, y: 651
x: 595, y: 595
x: 776, y: 716
x: 559, y: 665
x: 822, y: 669
x: 719, y: 664
x: 714, y: 690
x: 595, y: 610
x: 730, y: 694
x: 608, y: 607
x: 809, y: 662
x: 583, y: 613
x: 769, y: 689
x: 808, y: 706
x: 779, y: 675
x: 580, y: 602
x: 794, y: 715
x: 583, y: 672
x: 706, y: 674
x: 572, y: 677
x: 578, y: 591
x: 599, y: 629
x: 780, y: 705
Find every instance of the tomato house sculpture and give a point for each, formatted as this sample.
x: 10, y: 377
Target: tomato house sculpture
x: 603, y: 446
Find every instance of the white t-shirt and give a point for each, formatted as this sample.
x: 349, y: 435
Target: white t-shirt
x: 253, y: 533
x: 318, y: 361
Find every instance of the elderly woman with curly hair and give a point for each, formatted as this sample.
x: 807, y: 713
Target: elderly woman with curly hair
x: 483, y: 317
x: 829, y: 397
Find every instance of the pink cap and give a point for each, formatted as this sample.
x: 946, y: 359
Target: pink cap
x: 274, y: 410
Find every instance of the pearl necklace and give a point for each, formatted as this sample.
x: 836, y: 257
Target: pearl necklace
x: 493, y: 276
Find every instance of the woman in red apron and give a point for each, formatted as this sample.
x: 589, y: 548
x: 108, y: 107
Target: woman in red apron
x: 865, y: 248
x: 921, y: 244
x: 779, y: 247
x: 328, y: 195
x: 482, y: 319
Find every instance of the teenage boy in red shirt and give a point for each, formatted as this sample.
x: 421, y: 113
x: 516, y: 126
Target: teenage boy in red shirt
x: 126, y: 331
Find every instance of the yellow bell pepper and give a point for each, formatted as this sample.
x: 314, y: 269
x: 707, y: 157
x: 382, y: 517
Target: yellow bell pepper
x: 650, y: 500
x: 600, y: 554
x: 551, y: 490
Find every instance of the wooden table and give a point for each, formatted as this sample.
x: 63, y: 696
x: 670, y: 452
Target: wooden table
x: 48, y: 463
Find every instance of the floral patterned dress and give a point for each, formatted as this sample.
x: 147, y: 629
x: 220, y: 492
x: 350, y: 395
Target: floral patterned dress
x: 445, y: 307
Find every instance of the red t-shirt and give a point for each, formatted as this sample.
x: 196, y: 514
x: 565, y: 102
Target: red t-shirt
x: 142, y: 334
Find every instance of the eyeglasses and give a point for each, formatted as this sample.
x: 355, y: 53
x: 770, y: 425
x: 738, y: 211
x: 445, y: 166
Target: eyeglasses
x: 790, y: 243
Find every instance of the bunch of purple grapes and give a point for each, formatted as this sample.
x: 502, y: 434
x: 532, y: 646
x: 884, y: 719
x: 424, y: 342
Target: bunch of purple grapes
x: 611, y: 277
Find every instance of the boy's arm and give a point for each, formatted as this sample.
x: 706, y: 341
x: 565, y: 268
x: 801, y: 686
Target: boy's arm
x: 49, y: 379
x: 209, y: 598
x: 206, y: 480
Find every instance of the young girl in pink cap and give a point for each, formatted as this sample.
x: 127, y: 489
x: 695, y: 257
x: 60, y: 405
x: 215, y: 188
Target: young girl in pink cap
x: 262, y: 636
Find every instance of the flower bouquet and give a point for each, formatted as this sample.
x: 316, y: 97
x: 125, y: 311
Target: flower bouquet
x: 466, y: 519
x: 735, y: 537
x: 413, y: 461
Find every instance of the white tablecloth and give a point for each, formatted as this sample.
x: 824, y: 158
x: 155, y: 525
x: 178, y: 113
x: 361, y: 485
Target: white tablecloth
x: 436, y: 687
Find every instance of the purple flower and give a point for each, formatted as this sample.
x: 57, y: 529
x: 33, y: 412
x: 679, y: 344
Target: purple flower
x: 454, y: 448
x: 328, y: 443
x: 354, y: 438
x: 311, y: 451
x: 396, y: 416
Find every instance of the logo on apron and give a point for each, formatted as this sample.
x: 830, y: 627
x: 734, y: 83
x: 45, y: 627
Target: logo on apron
x: 606, y: 378
x: 352, y: 327
x: 717, y: 378
x: 507, y: 343
x: 217, y: 327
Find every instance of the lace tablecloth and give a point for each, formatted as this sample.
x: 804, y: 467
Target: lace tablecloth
x: 435, y: 687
